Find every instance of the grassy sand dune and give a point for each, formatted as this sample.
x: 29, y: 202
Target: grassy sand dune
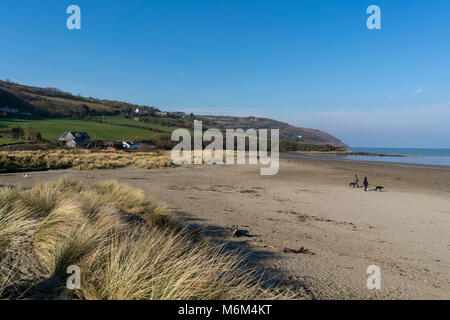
x: 124, y: 243
x: 81, y: 159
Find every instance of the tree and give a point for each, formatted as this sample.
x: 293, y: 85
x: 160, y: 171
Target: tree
x: 84, y: 112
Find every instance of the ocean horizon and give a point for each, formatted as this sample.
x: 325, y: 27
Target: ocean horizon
x: 420, y: 156
x: 425, y: 156
x: 431, y: 152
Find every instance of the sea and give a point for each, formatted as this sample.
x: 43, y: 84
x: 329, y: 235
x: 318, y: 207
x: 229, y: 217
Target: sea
x: 426, y: 156
x: 422, y: 156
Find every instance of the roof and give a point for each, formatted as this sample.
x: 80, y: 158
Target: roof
x: 80, y: 135
x: 74, y: 135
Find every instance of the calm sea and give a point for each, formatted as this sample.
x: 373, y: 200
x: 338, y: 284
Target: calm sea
x: 439, y: 157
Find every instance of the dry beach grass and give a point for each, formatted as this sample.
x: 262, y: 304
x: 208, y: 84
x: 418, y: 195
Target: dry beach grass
x: 125, y: 244
x: 309, y: 204
x: 18, y: 161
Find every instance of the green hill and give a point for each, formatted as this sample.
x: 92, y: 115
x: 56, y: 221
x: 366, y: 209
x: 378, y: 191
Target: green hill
x: 51, y: 129
x: 53, y: 111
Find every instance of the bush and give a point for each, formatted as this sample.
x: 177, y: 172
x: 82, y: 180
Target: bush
x: 17, y: 133
x: 163, y: 141
x: 28, y: 134
x: 289, y: 146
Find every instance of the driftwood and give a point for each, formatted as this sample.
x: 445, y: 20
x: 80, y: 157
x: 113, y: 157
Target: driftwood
x: 236, y: 232
x: 239, y: 233
x: 301, y: 250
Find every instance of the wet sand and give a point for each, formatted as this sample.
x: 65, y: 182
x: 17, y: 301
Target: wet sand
x: 404, y: 230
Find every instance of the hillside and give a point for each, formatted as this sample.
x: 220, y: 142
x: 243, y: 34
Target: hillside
x: 287, y: 131
x: 55, y: 103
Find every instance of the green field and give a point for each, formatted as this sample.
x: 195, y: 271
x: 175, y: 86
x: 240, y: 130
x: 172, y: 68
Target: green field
x: 4, y: 141
x: 51, y: 129
x: 129, y: 122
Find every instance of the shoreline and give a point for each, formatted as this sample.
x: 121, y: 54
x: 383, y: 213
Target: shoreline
x: 355, y: 153
x: 335, y: 157
x: 282, y: 157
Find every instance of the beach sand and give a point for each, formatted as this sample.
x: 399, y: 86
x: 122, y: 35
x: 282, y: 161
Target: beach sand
x: 405, y: 230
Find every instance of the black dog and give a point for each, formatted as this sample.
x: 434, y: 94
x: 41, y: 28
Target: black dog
x: 352, y: 185
x: 379, y: 188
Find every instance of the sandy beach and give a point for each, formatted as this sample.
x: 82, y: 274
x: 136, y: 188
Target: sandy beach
x: 404, y: 230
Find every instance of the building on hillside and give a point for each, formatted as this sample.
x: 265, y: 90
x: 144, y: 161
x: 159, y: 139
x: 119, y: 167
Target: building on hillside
x: 161, y: 114
x: 8, y: 110
x: 141, y: 111
x: 177, y: 114
x: 74, y: 139
x: 130, y: 145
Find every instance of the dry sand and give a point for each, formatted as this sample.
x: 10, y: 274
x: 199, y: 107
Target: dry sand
x: 405, y: 230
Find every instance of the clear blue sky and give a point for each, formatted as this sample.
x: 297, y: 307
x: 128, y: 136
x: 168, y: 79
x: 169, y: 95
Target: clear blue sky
x: 312, y: 63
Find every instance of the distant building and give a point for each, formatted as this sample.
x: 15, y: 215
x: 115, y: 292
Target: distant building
x: 142, y: 111
x: 161, y: 114
x: 8, y: 110
x: 177, y: 114
x: 74, y: 139
x: 129, y: 145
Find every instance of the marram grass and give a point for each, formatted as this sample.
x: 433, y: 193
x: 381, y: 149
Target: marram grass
x: 126, y: 245
x: 19, y: 161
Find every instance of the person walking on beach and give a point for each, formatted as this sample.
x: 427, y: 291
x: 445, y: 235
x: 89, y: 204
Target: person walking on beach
x: 356, y: 181
x: 365, y: 183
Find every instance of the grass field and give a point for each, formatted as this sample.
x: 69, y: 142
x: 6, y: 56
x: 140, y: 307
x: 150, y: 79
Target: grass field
x: 4, y: 141
x: 51, y: 129
x: 120, y: 120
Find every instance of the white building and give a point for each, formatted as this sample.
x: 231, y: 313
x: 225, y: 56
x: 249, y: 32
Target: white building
x: 141, y: 111
x: 9, y: 110
x: 129, y: 145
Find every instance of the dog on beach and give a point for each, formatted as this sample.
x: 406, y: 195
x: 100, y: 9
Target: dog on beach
x: 379, y: 188
x: 25, y: 176
x: 352, y: 185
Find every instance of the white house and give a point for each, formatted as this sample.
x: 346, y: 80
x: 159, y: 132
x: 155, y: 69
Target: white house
x: 141, y: 111
x: 129, y: 145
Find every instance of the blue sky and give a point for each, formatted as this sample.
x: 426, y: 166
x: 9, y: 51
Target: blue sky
x: 311, y: 63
